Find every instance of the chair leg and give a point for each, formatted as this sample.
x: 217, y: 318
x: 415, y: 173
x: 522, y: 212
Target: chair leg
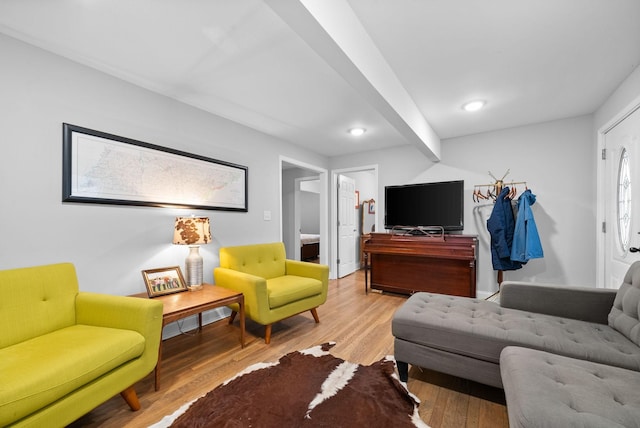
x: 131, y: 398
x: 314, y: 312
x: 232, y: 317
x: 267, y: 334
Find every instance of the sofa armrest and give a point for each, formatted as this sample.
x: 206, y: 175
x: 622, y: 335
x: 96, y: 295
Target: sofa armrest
x: 309, y: 270
x: 129, y: 313
x: 253, y: 287
x: 581, y: 303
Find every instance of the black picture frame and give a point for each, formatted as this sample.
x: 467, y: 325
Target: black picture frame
x: 103, y: 168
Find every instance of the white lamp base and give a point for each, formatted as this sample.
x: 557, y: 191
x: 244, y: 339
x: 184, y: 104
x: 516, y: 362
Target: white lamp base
x: 193, y: 268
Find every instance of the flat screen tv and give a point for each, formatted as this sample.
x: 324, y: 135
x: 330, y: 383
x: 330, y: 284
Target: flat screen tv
x: 426, y: 204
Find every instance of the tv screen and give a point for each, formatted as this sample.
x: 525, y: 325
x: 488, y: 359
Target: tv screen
x: 425, y: 204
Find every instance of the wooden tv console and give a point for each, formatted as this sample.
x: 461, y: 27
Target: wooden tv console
x: 405, y: 264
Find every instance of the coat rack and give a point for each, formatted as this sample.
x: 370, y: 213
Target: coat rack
x: 491, y: 191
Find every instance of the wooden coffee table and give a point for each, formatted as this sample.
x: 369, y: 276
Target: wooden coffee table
x: 181, y: 305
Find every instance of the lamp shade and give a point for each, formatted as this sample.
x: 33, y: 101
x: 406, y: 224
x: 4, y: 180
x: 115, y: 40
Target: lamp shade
x: 192, y: 231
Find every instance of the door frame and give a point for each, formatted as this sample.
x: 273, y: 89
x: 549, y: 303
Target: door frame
x: 334, y: 208
x: 323, y: 176
x: 601, y: 189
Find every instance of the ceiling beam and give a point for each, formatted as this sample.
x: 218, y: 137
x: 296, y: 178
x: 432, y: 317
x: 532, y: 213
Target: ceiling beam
x: 331, y: 28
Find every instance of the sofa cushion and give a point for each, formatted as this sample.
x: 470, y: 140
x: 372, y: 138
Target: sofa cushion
x: 625, y: 313
x: 547, y: 390
x: 46, y: 304
x: 39, y: 371
x: 291, y: 288
x: 480, y: 329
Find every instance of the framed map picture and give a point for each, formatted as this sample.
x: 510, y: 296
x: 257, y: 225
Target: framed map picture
x: 108, y: 169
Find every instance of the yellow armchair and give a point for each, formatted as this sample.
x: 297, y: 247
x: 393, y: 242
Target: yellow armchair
x: 274, y: 288
x: 64, y: 351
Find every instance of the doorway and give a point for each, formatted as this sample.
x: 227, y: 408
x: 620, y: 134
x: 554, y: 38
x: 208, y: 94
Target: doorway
x: 345, y: 247
x: 620, y: 206
x: 292, y: 174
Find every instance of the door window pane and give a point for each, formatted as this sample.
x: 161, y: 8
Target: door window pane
x: 624, y: 200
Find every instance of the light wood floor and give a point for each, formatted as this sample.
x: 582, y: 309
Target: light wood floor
x: 361, y: 326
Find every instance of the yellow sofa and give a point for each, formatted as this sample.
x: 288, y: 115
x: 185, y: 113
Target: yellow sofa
x: 64, y: 352
x: 274, y: 288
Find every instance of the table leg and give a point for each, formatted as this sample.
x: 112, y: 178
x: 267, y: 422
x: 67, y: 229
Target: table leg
x: 241, y: 304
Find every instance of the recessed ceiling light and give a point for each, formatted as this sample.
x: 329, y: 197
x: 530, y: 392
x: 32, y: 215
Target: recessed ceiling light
x: 474, y: 105
x: 356, y: 132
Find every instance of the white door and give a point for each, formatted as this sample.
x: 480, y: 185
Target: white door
x: 346, y: 226
x: 622, y: 200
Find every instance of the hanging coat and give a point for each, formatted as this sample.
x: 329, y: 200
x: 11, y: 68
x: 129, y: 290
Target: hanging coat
x: 526, y: 241
x: 501, y: 226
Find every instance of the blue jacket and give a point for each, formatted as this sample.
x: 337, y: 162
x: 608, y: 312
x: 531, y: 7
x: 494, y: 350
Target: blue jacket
x: 526, y: 241
x: 501, y: 226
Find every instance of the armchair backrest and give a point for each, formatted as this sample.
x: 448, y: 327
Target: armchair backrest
x: 36, y: 300
x: 263, y: 260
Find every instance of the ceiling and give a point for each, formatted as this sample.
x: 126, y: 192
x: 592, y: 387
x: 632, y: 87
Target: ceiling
x: 306, y: 71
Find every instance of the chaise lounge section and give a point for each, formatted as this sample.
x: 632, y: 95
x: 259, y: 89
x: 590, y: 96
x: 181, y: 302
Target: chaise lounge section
x: 464, y: 337
x: 549, y: 390
x: 565, y: 356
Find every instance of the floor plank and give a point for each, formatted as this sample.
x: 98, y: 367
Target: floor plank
x: 194, y: 363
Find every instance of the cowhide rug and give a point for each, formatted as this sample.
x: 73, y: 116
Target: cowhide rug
x: 309, y: 388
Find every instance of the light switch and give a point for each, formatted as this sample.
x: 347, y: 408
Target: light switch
x: 267, y: 215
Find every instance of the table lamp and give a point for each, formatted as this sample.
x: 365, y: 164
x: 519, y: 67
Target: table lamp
x: 192, y: 231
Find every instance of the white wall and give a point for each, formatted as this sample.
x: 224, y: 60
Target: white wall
x: 557, y: 161
x: 110, y: 245
x: 627, y: 93
x: 365, y: 183
x: 310, y: 212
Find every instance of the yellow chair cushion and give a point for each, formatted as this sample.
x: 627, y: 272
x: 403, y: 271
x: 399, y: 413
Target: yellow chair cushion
x: 73, y: 356
x: 263, y: 260
x: 290, y: 288
x: 36, y: 301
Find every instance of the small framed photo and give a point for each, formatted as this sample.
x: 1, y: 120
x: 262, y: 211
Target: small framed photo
x: 372, y: 207
x: 163, y: 281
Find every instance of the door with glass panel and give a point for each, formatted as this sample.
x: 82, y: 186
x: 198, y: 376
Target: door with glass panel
x: 622, y: 199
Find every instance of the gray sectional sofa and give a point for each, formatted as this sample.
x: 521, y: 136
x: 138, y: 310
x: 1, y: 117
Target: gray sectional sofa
x: 465, y: 337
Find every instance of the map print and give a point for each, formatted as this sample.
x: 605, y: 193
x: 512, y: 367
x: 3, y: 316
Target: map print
x: 114, y: 170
